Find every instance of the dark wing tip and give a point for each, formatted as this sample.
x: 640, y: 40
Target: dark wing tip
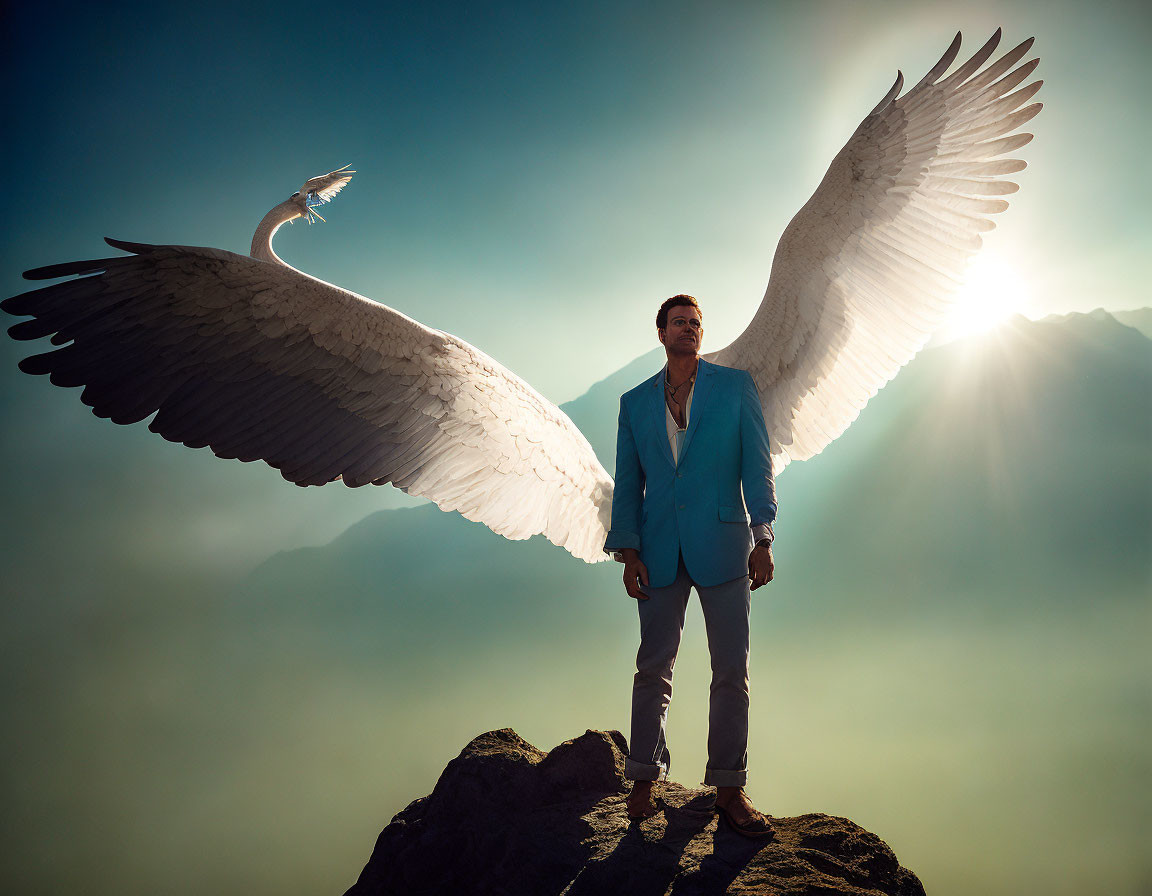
x: 37, y: 365
x: 893, y: 92
x: 134, y: 248
x: 1024, y: 46
x: 67, y: 269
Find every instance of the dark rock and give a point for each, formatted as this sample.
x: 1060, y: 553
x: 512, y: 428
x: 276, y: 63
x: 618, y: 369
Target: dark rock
x: 506, y: 818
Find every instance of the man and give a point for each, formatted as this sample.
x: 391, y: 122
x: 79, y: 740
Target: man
x: 691, y: 439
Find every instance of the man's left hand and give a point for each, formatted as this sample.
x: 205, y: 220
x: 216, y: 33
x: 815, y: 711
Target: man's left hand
x: 760, y: 566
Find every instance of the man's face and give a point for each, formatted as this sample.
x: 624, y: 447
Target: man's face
x: 684, y: 332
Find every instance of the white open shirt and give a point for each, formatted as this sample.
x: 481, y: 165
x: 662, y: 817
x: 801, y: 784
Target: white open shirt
x: 676, y: 439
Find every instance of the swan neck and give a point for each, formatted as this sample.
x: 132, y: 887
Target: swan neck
x: 262, y: 239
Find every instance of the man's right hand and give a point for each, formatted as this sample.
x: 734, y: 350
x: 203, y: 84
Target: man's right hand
x: 635, y: 574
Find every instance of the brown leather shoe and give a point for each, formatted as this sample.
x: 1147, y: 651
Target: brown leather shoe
x: 756, y: 827
x: 647, y: 813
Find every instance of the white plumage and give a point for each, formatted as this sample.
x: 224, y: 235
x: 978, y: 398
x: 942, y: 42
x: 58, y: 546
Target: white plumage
x: 256, y: 360
x: 866, y: 271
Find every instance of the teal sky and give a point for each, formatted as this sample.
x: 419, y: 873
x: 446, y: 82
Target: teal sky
x: 534, y: 178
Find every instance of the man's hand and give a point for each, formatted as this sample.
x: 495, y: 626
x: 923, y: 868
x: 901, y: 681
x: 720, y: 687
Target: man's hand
x: 635, y: 574
x: 760, y: 566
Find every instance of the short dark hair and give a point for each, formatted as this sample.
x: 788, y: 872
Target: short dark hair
x: 662, y: 314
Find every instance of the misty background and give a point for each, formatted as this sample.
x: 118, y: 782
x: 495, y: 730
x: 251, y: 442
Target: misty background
x: 213, y: 680
x: 953, y: 654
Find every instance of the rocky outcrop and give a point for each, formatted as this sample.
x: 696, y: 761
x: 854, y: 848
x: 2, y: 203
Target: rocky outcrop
x: 507, y: 818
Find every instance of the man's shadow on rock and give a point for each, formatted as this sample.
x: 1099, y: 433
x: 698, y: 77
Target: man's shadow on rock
x: 678, y: 844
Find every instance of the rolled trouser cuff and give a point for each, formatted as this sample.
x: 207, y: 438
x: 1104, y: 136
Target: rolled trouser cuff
x: 715, y: 777
x: 642, y: 771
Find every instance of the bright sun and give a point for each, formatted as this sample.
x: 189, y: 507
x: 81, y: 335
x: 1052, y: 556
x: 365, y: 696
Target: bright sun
x: 993, y: 291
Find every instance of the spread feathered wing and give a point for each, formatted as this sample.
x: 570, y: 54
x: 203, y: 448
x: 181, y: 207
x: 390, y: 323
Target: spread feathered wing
x: 260, y: 362
x: 867, y: 269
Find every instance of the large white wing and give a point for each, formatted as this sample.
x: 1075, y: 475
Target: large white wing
x: 867, y: 269
x: 260, y: 362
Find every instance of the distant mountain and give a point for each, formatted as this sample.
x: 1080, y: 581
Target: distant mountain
x: 1014, y: 468
x: 1016, y: 460
x: 1139, y: 319
x: 597, y: 410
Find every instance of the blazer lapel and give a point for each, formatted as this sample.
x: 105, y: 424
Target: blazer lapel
x: 701, y: 391
x: 657, y: 415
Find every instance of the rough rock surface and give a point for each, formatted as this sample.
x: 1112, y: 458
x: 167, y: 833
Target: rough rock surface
x: 507, y: 818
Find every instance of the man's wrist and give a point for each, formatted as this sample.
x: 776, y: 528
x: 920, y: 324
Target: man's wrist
x: 762, y: 532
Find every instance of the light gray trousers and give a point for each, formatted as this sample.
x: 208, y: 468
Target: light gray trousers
x: 725, y: 609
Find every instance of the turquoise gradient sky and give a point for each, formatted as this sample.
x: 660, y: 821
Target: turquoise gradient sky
x: 536, y: 178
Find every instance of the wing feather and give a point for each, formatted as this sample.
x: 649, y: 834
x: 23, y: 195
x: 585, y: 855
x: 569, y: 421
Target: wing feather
x: 868, y: 269
x: 259, y: 362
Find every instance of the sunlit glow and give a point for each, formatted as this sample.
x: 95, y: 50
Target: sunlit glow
x: 994, y: 290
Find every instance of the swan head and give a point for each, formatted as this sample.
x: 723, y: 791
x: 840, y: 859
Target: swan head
x: 319, y: 190
x: 301, y: 204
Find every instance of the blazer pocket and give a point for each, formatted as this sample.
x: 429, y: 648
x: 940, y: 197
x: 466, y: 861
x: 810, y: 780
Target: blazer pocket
x: 733, y: 515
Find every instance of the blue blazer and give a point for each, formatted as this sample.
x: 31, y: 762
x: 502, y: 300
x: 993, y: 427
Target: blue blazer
x: 694, y: 508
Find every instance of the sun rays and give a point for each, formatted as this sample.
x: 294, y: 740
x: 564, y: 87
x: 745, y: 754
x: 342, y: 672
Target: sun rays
x: 994, y: 290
